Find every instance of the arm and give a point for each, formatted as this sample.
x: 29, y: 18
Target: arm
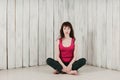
x: 57, y: 52
x: 74, y: 58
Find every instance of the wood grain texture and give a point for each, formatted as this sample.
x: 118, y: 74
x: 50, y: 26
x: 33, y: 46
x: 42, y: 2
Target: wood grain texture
x: 30, y: 28
x: 49, y: 29
x: 26, y: 33
x: 11, y: 34
x: 42, y: 32
x: 33, y: 32
x: 109, y: 33
x: 3, y: 31
x: 91, y: 38
x: 19, y: 32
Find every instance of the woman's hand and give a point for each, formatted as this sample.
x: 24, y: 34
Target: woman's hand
x: 69, y: 68
x: 64, y: 69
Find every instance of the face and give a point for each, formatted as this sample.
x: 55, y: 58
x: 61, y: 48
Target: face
x: 66, y: 30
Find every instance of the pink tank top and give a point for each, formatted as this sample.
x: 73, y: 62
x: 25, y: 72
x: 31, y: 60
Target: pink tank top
x: 66, y: 53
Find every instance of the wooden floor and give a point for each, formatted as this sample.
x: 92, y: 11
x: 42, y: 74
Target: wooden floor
x: 45, y: 73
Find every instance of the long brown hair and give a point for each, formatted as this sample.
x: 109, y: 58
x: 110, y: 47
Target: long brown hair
x: 67, y: 24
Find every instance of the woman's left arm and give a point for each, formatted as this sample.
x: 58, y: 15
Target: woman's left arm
x: 75, y: 54
x: 74, y: 58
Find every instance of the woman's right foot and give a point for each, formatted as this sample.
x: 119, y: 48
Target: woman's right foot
x: 55, y: 72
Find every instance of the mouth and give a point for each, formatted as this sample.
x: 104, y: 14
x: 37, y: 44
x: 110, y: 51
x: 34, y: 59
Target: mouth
x: 66, y: 32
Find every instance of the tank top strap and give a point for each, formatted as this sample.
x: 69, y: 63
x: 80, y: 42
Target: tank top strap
x: 73, y: 40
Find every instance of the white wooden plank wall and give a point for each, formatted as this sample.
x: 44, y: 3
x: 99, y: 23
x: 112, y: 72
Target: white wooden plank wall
x: 11, y: 17
x: 29, y: 29
x: 42, y: 31
x: 33, y: 32
x: 49, y: 29
x: 91, y: 20
x: 3, y: 31
x: 19, y: 31
x: 109, y: 33
x: 26, y: 34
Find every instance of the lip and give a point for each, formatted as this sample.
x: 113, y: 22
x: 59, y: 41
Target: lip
x: 66, y: 32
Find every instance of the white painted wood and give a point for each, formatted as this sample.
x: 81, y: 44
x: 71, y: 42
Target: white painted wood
x: 33, y: 27
x: 56, y: 23
x: 33, y: 32
x: 60, y: 12
x: 71, y: 10
x: 116, y: 34
x: 76, y: 30
x: 3, y: 28
x: 26, y: 33
x: 49, y: 29
x: 101, y: 24
x: 109, y: 34
x: 11, y: 34
x: 19, y: 32
x: 42, y: 32
x: 65, y: 10
x: 84, y: 28
x: 78, y: 22
x: 91, y: 58
x: 81, y: 27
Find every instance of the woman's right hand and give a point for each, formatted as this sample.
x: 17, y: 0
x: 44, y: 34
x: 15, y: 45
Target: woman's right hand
x: 64, y: 69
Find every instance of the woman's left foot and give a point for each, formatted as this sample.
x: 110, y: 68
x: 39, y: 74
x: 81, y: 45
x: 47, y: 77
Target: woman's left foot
x: 73, y: 72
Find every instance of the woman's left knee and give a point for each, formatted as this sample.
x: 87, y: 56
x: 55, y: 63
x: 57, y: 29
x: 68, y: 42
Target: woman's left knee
x: 83, y: 60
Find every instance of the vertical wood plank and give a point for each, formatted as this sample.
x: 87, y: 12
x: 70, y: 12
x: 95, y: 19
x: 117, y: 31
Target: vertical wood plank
x: 26, y: 33
x: 71, y: 10
x: 109, y: 33
x: 84, y: 29
x: 42, y: 32
x: 91, y: 58
x: 56, y: 23
x: 115, y: 34
x: 101, y: 25
x: 49, y: 29
x: 19, y: 32
x: 3, y: 28
x: 77, y: 25
x: 65, y: 10
x: 11, y: 34
x: 33, y: 32
x: 81, y: 32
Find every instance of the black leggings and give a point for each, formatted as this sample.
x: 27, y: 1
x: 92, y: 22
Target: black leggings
x: 57, y: 66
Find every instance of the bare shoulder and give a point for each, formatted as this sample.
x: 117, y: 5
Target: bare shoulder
x: 76, y: 43
x: 57, y: 42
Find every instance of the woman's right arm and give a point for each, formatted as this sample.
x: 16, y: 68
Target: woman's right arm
x: 57, y: 52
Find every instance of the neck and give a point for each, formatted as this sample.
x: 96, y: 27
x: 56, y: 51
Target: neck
x: 67, y: 36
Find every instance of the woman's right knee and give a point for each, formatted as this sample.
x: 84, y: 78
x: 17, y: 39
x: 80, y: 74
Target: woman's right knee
x: 49, y: 60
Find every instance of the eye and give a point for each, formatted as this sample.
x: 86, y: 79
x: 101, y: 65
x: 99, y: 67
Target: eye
x: 68, y: 28
x: 64, y: 28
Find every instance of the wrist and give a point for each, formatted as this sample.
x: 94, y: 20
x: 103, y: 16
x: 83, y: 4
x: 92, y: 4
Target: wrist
x: 64, y: 66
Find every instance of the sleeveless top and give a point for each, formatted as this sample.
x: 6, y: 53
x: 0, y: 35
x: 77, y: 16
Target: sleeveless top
x: 66, y: 53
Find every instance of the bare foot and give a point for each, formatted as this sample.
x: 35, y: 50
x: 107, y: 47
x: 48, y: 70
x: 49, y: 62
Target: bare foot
x: 55, y: 72
x: 73, y: 72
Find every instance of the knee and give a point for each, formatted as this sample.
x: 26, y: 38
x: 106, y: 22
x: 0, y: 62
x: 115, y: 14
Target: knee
x: 83, y: 60
x: 48, y: 60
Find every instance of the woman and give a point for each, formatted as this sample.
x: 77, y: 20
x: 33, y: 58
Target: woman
x: 66, y: 52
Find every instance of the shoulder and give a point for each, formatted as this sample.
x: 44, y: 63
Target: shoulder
x: 57, y: 41
x: 75, y: 42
